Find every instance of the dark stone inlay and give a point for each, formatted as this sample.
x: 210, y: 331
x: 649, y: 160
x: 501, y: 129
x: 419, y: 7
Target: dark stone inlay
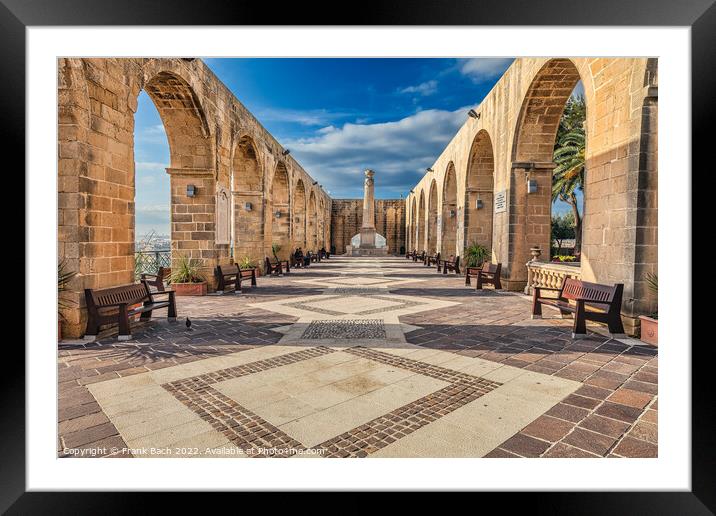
x: 345, y: 329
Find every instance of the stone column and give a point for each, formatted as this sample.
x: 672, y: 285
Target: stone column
x: 367, y: 231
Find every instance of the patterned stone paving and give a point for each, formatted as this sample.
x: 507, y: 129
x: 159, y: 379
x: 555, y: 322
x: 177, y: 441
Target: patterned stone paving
x: 595, y: 397
x: 345, y: 329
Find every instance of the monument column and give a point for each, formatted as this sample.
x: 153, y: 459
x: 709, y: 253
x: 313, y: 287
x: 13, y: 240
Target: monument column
x: 367, y: 231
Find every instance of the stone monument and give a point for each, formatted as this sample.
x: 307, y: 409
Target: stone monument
x: 368, y: 242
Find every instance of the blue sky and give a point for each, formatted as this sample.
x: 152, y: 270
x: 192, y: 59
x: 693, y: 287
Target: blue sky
x: 338, y: 117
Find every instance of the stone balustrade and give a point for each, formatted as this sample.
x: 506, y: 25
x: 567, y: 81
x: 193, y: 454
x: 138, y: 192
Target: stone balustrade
x: 550, y: 275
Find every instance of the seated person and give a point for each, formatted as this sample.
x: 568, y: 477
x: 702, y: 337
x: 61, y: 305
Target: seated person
x: 298, y: 256
x: 307, y: 259
x: 322, y: 252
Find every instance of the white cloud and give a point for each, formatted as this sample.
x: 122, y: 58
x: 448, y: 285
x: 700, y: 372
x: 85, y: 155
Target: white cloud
x: 309, y: 117
x: 484, y: 69
x: 153, y: 208
x: 149, y: 166
x: 399, y: 151
x: 425, y: 89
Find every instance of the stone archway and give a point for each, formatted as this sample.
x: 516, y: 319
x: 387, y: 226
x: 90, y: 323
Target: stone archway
x: 247, y: 193
x: 448, y: 237
x: 280, y: 212
x: 190, y: 153
x: 413, y: 216
x: 532, y: 164
x: 312, y: 231
x: 421, y: 222
x: 479, y: 192
x: 299, y: 215
x: 432, y: 225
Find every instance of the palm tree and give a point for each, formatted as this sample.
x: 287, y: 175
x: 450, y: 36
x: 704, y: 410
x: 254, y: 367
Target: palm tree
x: 568, y: 177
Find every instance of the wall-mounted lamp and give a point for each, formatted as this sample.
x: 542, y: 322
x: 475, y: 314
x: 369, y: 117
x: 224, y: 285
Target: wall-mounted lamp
x: 190, y: 190
x: 278, y: 214
x: 286, y: 152
x: 531, y: 186
x: 479, y: 204
x: 429, y: 169
x: 248, y: 206
x: 473, y: 114
x: 412, y: 191
x: 452, y: 213
x: 315, y: 183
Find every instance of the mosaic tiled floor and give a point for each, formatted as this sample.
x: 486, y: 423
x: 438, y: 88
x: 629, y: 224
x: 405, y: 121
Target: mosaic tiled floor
x: 338, y: 361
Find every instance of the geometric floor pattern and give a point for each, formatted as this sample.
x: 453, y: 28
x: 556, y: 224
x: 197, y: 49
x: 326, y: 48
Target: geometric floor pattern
x: 356, y: 357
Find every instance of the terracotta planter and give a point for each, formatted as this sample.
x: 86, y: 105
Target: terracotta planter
x: 649, y: 330
x: 190, y: 289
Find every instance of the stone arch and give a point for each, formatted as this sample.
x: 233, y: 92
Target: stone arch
x: 184, y: 120
x: 280, y: 212
x: 479, y: 184
x: 448, y: 240
x: 299, y: 215
x: 191, y: 164
x: 247, y: 194
x: 312, y: 214
x: 413, y: 216
x: 321, y: 225
x: 533, y: 147
x: 421, y: 222
x: 432, y: 225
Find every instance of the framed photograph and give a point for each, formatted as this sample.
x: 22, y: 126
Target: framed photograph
x: 422, y: 249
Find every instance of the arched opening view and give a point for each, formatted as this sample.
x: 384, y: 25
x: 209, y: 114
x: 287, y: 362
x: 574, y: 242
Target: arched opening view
x: 568, y: 179
x: 421, y: 223
x: 536, y: 179
x: 247, y: 193
x: 479, y: 193
x: 299, y: 216
x: 312, y: 239
x: 152, y: 240
x: 413, y: 217
x: 448, y: 241
x: 280, y: 213
x: 433, y: 218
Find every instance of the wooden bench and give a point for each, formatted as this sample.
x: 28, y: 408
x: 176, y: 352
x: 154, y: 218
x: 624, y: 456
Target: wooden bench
x: 419, y: 257
x: 432, y: 259
x: 296, y: 262
x: 156, y: 281
x: 314, y: 257
x: 410, y: 254
x: 591, y: 302
x: 488, y: 273
x: 232, y: 275
x: 277, y: 268
x: 451, y: 264
x: 116, y: 305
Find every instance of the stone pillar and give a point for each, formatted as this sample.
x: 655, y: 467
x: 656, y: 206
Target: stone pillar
x: 367, y: 230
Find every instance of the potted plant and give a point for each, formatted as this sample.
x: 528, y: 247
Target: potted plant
x: 247, y: 263
x: 64, y: 276
x: 187, y: 279
x: 650, y: 324
x: 476, y: 255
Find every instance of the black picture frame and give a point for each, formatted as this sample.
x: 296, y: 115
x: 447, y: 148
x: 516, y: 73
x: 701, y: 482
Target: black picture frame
x: 700, y: 15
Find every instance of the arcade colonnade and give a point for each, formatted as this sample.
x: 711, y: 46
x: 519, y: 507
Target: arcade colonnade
x: 248, y: 193
x: 492, y: 183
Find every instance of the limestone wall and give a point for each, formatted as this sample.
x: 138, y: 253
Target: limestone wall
x: 215, y: 144
x: 519, y: 120
x: 347, y: 217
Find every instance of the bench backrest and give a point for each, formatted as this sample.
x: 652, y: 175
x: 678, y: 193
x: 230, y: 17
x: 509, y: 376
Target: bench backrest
x: 227, y: 270
x: 491, y: 268
x: 592, y: 292
x: 129, y: 294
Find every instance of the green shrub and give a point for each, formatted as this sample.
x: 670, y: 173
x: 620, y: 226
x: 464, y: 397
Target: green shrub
x: 246, y: 263
x: 564, y: 258
x: 476, y: 255
x: 188, y: 270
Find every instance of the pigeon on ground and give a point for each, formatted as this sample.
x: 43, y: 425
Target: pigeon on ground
x: 188, y: 324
